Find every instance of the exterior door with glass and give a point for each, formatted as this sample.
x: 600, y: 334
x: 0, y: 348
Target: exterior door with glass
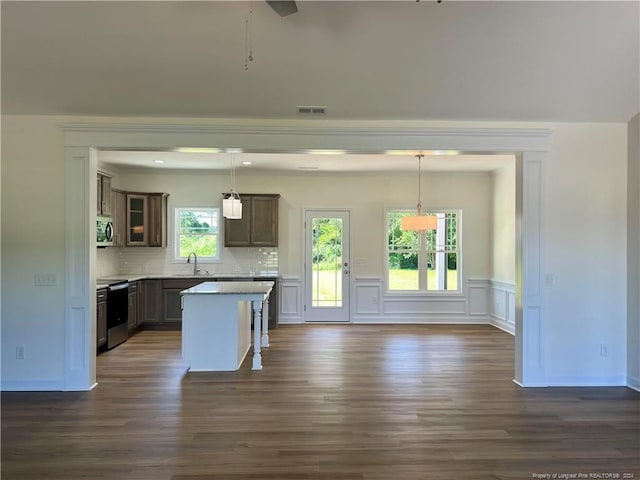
x: 327, y: 266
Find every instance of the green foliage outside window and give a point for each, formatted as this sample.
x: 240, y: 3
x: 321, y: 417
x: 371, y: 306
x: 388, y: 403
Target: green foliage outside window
x: 327, y: 243
x: 198, y: 232
x: 406, y: 251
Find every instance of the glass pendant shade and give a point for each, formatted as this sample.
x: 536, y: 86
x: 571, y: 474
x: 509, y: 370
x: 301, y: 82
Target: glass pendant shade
x: 232, y: 207
x: 231, y: 204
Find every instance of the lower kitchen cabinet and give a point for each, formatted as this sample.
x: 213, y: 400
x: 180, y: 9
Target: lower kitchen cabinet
x: 132, y: 310
x: 152, y: 301
x: 101, y: 317
x: 141, y: 310
x: 171, y: 298
x: 161, y: 303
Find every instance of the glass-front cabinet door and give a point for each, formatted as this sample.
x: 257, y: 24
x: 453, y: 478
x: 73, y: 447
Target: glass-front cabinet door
x: 137, y: 220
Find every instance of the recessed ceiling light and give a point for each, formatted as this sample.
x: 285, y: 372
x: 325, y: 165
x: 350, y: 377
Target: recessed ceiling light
x: 246, y: 163
x: 196, y: 150
x: 326, y: 152
x: 233, y: 150
x: 158, y: 161
x: 422, y: 152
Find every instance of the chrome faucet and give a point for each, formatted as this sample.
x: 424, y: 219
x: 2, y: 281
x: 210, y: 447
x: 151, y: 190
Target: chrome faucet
x: 196, y: 270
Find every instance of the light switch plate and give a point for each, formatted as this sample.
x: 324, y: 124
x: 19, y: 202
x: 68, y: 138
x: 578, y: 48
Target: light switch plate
x: 45, y: 279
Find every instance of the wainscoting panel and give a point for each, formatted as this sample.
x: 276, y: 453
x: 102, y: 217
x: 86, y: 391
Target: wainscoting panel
x: 503, y: 306
x: 478, y: 296
x: 290, y: 300
x: 368, y: 295
x: 373, y: 305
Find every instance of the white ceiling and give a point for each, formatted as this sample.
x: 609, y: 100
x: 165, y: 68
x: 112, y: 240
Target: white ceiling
x: 376, y: 60
x: 127, y: 160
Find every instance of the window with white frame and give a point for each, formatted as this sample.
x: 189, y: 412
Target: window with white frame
x: 197, y: 230
x: 423, y: 262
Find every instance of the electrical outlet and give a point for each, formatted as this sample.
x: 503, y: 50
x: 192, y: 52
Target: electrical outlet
x: 604, y: 350
x: 20, y: 352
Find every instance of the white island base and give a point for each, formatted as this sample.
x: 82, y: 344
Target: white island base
x: 216, y: 324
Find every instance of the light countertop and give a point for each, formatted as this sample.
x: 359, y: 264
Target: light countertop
x: 104, y: 282
x: 229, y: 288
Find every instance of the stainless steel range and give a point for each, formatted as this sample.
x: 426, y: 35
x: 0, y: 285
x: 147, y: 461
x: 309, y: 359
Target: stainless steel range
x: 117, y: 311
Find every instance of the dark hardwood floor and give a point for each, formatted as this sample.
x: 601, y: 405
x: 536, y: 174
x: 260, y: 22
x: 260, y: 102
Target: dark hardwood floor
x: 334, y: 402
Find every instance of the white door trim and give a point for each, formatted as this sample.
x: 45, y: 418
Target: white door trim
x: 531, y: 144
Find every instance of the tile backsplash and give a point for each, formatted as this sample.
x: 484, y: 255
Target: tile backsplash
x: 115, y: 260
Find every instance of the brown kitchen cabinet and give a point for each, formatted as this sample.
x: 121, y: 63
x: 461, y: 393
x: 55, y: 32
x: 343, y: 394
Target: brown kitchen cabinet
x: 141, y: 310
x: 132, y: 310
x: 119, y: 214
x: 152, y: 301
x: 158, y: 219
x: 146, y: 219
x: 104, y: 194
x: 171, y: 298
x: 137, y: 220
x: 101, y: 317
x: 258, y: 226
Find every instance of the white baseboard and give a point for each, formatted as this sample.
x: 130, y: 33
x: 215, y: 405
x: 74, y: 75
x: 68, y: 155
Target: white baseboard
x: 529, y: 385
x: 32, y: 385
x: 408, y: 320
x: 290, y: 320
x: 502, y: 325
x: 614, y: 381
x: 634, y: 383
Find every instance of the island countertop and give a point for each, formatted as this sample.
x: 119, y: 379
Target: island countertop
x: 229, y: 288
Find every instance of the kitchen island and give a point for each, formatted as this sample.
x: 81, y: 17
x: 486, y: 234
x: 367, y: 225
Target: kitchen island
x: 216, y: 324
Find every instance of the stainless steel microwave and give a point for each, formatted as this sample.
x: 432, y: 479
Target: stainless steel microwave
x: 104, y: 232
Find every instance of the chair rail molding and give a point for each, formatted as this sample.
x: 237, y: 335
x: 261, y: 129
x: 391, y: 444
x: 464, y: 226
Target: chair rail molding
x: 529, y: 144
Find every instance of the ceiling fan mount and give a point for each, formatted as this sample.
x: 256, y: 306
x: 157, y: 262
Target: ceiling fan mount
x: 283, y: 7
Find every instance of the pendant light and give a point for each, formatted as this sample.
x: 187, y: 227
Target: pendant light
x: 419, y: 223
x: 231, y: 204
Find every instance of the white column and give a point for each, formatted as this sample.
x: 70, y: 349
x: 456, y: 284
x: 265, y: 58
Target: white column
x: 257, y: 356
x: 529, y: 321
x: 265, y: 323
x: 80, y: 257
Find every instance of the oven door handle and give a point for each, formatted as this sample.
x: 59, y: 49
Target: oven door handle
x: 118, y: 286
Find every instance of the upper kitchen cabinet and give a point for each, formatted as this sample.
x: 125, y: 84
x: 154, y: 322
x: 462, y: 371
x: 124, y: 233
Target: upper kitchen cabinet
x: 158, y: 219
x: 146, y: 220
x: 119, y: 213
x: 258, y: 226
x: 104, y: 194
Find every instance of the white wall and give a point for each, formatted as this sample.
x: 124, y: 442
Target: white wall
x: 503, y: 248
x: 585, y: 223
x: 32, y: 242
x: 503, y: 220
x: 633, y: 254
x: 584, y: 178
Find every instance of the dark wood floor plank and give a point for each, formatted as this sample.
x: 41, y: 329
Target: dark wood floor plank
x: 340, y: 402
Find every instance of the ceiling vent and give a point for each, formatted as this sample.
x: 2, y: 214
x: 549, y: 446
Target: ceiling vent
x: 306, y: 110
